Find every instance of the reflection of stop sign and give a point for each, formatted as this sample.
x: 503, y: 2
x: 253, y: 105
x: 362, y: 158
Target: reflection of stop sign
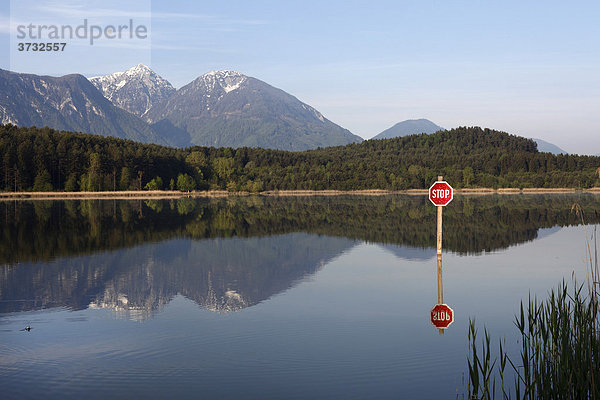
x: 442, y: 316
x: 441, y: 193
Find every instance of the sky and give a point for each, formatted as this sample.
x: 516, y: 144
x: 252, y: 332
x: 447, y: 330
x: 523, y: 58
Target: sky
x: 530, y: 68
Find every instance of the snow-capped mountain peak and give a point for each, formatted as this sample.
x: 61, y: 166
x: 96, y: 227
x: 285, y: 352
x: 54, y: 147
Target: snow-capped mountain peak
x: 134, y: 90
x: 225, y: 79
x: 139, y: 69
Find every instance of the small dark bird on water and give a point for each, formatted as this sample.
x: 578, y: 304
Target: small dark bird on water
x: 27, y: 328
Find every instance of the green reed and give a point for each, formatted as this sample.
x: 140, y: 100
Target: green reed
x: 560, y: 346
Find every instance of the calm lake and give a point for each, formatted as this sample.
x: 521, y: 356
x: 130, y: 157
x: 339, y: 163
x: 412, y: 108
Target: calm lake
x: 269, y: 298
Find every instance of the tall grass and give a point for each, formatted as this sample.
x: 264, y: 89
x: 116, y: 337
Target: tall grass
x: 560, y: 345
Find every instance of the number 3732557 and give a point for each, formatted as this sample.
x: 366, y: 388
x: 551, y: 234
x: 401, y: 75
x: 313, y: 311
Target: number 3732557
x: 34, y: 46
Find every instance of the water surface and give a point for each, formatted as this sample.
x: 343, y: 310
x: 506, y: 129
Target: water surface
x: 268, y: 297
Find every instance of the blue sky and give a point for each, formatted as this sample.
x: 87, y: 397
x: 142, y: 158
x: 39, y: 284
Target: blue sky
x: 531, y: 68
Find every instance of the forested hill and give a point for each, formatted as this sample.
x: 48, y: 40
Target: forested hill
x: 45, y: 159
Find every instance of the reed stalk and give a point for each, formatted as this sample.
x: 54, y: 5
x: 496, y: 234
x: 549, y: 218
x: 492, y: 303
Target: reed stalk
x: 560, y: 344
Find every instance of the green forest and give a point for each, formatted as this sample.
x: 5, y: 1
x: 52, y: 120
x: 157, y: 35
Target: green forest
x: 44, y: 159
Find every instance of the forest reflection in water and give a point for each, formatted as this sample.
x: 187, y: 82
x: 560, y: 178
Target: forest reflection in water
x: 45, y: 230
x: 228, y: 254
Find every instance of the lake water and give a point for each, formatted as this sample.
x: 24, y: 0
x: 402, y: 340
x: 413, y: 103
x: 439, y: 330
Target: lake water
x: 268, y: 298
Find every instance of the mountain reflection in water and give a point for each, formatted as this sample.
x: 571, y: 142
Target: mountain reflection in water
x: 220, y: 275
x: 228, y: 254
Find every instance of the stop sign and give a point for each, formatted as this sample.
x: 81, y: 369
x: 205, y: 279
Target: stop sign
x: 441, y: 193
x: 442, y: 316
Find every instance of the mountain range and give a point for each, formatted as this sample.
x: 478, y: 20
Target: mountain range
x: 221, y: 108
x: 226, y: 108
x: 69, y: 102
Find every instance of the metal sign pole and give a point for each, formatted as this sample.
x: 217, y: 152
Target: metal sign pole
x: 439, y: 251
x: 440, y: 194
x: 439, y: 255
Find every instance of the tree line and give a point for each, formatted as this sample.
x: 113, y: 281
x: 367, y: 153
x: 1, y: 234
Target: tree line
x: 44, y: 159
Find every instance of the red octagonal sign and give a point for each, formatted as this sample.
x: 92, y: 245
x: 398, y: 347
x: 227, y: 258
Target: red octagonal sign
x: 441, y: 193
x: 442, y: 316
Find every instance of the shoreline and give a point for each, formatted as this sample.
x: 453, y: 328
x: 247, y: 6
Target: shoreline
x: 173, y: 194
